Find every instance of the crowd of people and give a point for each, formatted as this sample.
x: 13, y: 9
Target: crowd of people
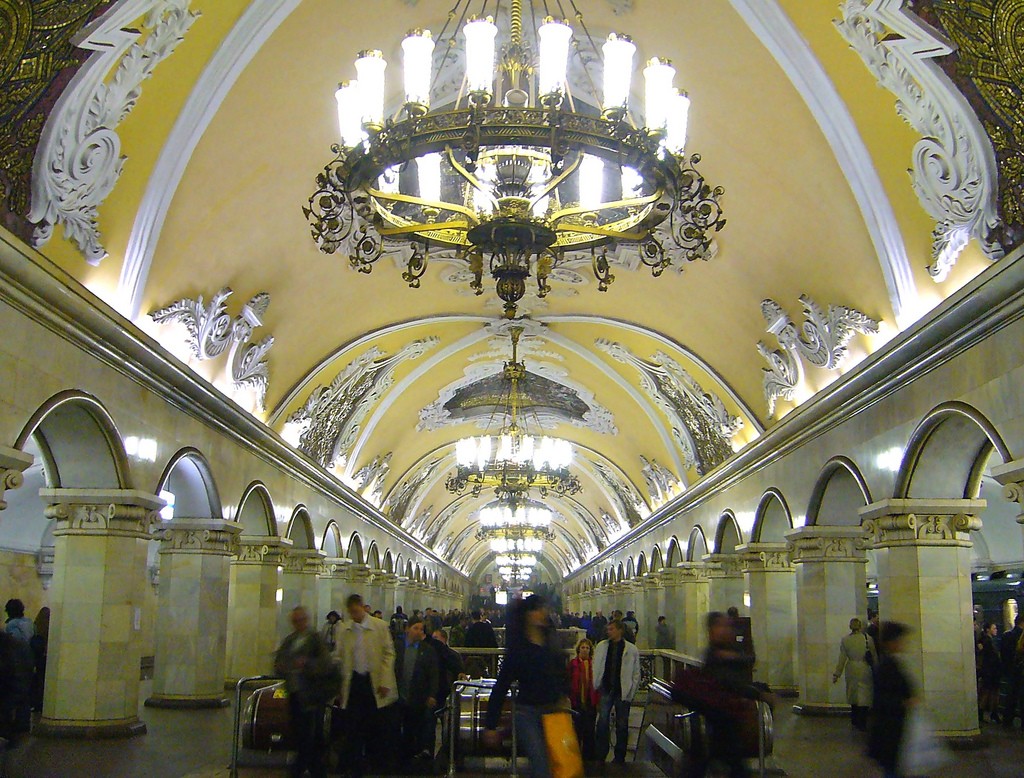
x: 23, y: 644
x: 387, y: 682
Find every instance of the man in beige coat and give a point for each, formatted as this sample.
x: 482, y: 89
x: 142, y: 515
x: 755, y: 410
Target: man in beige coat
x: 368, y: 687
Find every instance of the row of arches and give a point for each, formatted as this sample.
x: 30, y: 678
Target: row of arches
x: 949, y: 455
x: 76, y: 445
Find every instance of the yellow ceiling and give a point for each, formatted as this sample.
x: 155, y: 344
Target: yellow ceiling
x: 794, y: 227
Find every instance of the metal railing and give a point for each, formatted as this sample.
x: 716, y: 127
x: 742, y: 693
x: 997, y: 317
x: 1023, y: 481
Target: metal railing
x: 454, y: 710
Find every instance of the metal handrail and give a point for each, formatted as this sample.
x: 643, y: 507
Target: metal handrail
x: 453, y: 723
x: 233, y: 767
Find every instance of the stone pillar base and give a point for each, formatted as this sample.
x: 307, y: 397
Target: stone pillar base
x: 186, y: 703
x: 89, y: 730
x: 821, y: 709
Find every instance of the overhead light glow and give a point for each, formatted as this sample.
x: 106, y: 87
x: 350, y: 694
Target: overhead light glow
x: 417, y: 58
x: 554, y: 38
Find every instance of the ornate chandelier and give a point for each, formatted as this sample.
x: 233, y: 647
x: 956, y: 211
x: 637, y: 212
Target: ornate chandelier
x: 514, y: 175
x: 513, y: 462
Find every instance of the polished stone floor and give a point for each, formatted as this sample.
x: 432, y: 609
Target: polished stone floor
x: 197, y: 744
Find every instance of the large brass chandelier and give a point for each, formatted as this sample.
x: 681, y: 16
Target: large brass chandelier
x: 514, y: 175
x: 513, y: 462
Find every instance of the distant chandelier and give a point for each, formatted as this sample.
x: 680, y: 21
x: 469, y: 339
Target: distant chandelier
x: 513, y: 175
x: 513, y: 462
x: 505, y: 544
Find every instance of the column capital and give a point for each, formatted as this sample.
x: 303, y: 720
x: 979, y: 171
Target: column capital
x: 198, y: 536
x: 13, y: 462
x: 921, y: 522
x: 765, y: 557
x: 724, y: 565
x: 1011, y: 477
x: 105, y: 512
x: 692, y: 572
x: 826, y: 544
x: 335, y: 567
x: 261, y: 550
x: 652, y: 580
x: 304, y: 561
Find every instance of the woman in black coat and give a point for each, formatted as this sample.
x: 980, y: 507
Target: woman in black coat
x: 893, y: 697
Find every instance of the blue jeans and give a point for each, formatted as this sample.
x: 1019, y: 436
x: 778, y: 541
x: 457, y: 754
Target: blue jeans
x: 605, y: 707
x: 530, y: 740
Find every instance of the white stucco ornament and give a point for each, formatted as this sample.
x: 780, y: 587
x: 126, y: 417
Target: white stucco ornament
x: 78, y: 161
x: 953, y: 164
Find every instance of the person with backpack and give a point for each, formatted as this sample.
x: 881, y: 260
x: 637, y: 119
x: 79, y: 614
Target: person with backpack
x: 396, y: 626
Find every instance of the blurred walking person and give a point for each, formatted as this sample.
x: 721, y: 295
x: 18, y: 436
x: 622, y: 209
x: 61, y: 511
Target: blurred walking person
x: 856, y: 658
x: 305, y: 663
x: 535, y: 661
x: 893, y: 696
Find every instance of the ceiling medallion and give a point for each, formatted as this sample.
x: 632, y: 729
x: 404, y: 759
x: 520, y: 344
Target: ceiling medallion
x: 518, y: 175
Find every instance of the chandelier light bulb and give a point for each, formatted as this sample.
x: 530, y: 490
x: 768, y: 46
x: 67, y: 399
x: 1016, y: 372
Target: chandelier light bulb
x: 370, y: 67
x: 350, y: 114
x: 632, y: 183
x: 658, y: 93
x: 465, y: 452
x: 618, y: 53
x: 428, y: 169
x: 480, y: 35
x: 678, y: 115
x: 417, y: 59
x: 591, y: 181
x: 554, y: 38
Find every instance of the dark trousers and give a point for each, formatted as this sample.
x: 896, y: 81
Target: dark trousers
x: 1013, y: 697
x: 609, y: 703
x: 364, y: 733
x: 418, y: 729
x: 585, y: 722
x: 307, y: 726
x: 859, y: 717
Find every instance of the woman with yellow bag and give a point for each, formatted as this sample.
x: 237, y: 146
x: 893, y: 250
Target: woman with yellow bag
x: 543, y: 719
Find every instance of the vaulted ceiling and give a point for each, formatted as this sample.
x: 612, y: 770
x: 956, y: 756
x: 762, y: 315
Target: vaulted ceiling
x: 656, y: 381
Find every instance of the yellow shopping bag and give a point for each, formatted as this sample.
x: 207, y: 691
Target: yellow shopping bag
x: 564, y: 758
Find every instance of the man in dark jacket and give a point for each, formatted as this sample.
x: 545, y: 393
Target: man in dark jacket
x: 1012, y: 670
x: 417, y: 671
x: 304, y: 662
x: 480, y: 634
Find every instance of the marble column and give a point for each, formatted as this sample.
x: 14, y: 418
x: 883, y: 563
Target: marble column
x: 389, y: 589
x: 192, y: 612
x: 726, y: 582
x: 654, y: 606
x: 13, y: 462
x: 772, y: 585
x: 298, y: 585
x: 830, y: 565
x: 923, y: 549
x: 373, y: 591
x: 97, y: 595
x: 693, y: 585
x: 332, y: 586
x: 253, y: 606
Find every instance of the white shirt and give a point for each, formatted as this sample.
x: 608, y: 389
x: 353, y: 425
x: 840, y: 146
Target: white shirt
x: 360, y: 662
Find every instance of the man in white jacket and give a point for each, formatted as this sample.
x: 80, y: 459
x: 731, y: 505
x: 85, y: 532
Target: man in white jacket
x: 617, y: 677
x: 368, y: 685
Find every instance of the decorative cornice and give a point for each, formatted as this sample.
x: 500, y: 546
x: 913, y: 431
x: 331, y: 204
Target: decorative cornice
x: 691, y: 573
x: 266, y: 550
x: 826, y: 544
x: 211, y: 330
x: 105, y: 512
x: 953, y: 165
x: 217, y: 537
x: 822, y: 340
x: 12, y: 464
x: 765, y: 558
x: 724, y: 565
x: 911, y: 522
x: 78, y: 161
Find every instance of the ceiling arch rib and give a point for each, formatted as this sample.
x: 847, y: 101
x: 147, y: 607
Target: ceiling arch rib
x: 769, y: 22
